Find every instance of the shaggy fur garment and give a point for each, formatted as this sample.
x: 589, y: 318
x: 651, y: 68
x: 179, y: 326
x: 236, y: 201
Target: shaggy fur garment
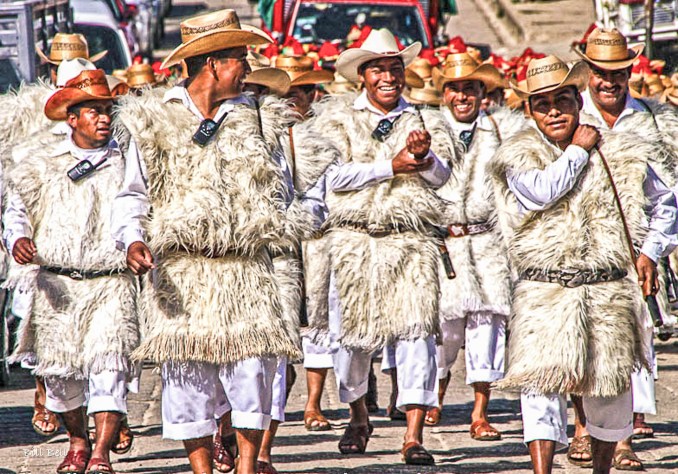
x: 582, y: 340
x: 22, y: 113
x: 75, y: 327
x: 483, y: 281
x: 225, y: 201
x: 388, y: 286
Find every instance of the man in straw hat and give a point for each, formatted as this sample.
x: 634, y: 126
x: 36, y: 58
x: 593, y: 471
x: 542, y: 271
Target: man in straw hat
x: 576, y: 318
x: 213, y: 301
x: 264, y: 79
x: 608, y: 104
x: 140, y: 77
x: 381, y: 211
x: 475, y: 305
x: 67, y: 256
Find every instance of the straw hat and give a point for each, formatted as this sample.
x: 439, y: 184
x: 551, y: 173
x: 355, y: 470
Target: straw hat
x: 340, y: 85
x: 117, y: 86
x: 69, y: 46
x: 463, y: 67
x: 379, y: 44
x: 427, y: 95
x: 88, y: 85
x: 422, y: 67
x: 412, y: 79
x: 606, y: 48
x: 671, y: 95
x: 140, y: 75
x: 277, y: 81
x: 212, y: 32
x: 551, y: 73
x: 300, y: 70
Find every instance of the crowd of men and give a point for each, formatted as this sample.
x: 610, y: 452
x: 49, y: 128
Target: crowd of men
x: 400, y: 201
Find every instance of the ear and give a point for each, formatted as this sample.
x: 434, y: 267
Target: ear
x: 528, y: 110
x: 72, y: 119
x: 580, y: 101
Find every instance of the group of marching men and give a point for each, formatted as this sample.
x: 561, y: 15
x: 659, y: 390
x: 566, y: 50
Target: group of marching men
x: 418, y: 230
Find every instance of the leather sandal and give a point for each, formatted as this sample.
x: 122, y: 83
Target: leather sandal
x: 265, y: 468
x: 96, y: 464
x: 79, y: 459
x: 621, y: 455
x: 40, y: 413
x: 354, y: 440
x: 123, y: 442
x: 225, y: 452
x: 642, y: 430
x: 433, y: 416
x: 479, y: 427
x: 315, y: 421
x: 415, y: 454
x: 580, y: 445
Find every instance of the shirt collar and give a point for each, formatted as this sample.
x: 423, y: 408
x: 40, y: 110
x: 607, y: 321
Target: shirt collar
x: 179, y: 93
x: 482, y: 121
x: 631, y: 106
x: 362, y: 103
x: 96, y: 155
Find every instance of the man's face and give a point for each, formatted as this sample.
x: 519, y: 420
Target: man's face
x: 608, y: 88
x: 556, y: 113
x: 464, y: 99
x: 384, y: 81
x: 92, y: 128
x: 230, y: 72
x: 301, y: 98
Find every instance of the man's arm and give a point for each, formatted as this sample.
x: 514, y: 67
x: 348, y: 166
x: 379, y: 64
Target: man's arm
x: 18, y: 231
x: 662, y: 212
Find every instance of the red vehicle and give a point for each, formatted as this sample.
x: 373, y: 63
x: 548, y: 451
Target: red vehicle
x: 317, y: 21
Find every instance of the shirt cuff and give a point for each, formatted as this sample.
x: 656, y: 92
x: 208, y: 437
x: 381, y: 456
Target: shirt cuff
x: 577, y: 153
x: 383, y: 170
x: 653, y: 250
x: 129, y: 236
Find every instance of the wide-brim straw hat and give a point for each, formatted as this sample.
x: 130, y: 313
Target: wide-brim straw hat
x: 412, y: 80
x: 427, y: 95
x: 301, y: 72
x: 379, y: 44
x: 671, y: 95
x: 88, y: 85
x: 277, y: 81
x: 117, y: 86
x: 463, y: 67
x: 341, y: 85
x: 69, y: 46
x: 422, y: 67
x: 212, y: 32
x: 140, y: 75
x: 606, y: 48
x: 551, y: 73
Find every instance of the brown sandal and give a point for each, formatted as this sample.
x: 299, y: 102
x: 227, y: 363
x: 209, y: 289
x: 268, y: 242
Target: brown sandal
x: 123, y: 442
x: 315, y: 421
x: 479, y: 427
x: 580, y: 445
x: 626, y: 455
x: 415, y: 454
x: 641, y: 429
x: 433, y: 416
x: 225, y: 452
x: 265, y: 468
x: 99, y: 463
x: 40, y: 413
x: 79, y: 459
x: 354, y: 440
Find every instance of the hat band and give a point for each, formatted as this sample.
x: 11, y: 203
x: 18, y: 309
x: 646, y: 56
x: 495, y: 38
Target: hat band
x: 68, y: 47
x: 295, y: 68
x: 610, y: 60
x: 87, y: 83
x: 187, y: 32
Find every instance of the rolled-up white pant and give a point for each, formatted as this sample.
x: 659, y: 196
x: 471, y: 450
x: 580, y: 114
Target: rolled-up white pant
x: 105, y: 391
x: 642, y: 380
x: 607, y: 418
x: 279, y: 394
x: 317, y: 355
x: 485, y: 336
x: 194, y: 392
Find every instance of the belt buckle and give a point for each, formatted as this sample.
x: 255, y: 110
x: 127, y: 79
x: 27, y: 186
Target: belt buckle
x: 457, y: 230
x: 76, y: 275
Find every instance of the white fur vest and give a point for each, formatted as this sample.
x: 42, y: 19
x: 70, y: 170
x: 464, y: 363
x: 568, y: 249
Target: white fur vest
x: 22, y: 113
x: 215, y: 211
x: 388, y: 285
x: 483, y: 281
x: 77, y: 326
x: 582, y: 340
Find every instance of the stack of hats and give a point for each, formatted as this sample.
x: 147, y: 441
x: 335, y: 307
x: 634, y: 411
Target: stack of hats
x: 427, y: 95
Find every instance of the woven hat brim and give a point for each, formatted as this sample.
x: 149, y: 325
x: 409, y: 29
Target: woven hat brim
x: 612, y: 65
x: 577, y: 76
x: 314, y: 77
x: 423, y: 96
x: 277, y: 81
x: 350, y: 60
x: 485, y: 73
x: 62, y: 99
x: 216, y: 41
x: 92, y: 59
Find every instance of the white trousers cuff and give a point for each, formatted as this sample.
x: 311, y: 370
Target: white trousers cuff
x: 482, y: 375
x: 104, y: 403
x: 351, y: 395
x: 546, y: 432
x: 191, y: 430
x: 318, y: 361
x: 609, y: 435
x: 250, y: 421
x: 417, y: 397
x: 62, y: 406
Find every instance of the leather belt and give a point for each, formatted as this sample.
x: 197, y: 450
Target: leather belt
x: 374, y: 231
x: 572, y: 277
x: 82, y: 274
x: 461, y: 230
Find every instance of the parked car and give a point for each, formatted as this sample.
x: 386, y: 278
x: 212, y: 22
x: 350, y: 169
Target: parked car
x: 145, y: 15
x: 629, y: 17
x: 96, y: 21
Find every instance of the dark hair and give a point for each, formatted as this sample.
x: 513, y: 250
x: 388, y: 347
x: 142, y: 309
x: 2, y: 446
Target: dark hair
x: 574, y: 88
x: 365, y: 65
x: 75, y: 109
x: 194, y: 64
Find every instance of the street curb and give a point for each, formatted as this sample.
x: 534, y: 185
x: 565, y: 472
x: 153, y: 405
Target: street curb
x: 501, y: 18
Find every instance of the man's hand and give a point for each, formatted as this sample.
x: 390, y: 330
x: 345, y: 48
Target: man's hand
x: 647, y: 275
x: 419, y: 143
x: 586, y: 137
x: 139, y: 258
x: 24, y: 251
x: 404, y: 163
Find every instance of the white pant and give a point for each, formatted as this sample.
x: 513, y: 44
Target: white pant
x: 485, y: 336
x: 279, y: 394
x: 642, y: 380
x: 317, y: 355
x: 607, y: 419
x: 105, y: 391
x: 193, y: 393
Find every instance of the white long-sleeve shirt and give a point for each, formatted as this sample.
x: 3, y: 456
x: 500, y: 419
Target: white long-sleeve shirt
x: 131, y: 205
x: 537, y: 190
x: 356, y: 176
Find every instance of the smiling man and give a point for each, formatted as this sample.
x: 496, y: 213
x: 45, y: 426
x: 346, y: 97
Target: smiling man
x: 384, y: 258
x: 83, y: 315
x: 576, y: 322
